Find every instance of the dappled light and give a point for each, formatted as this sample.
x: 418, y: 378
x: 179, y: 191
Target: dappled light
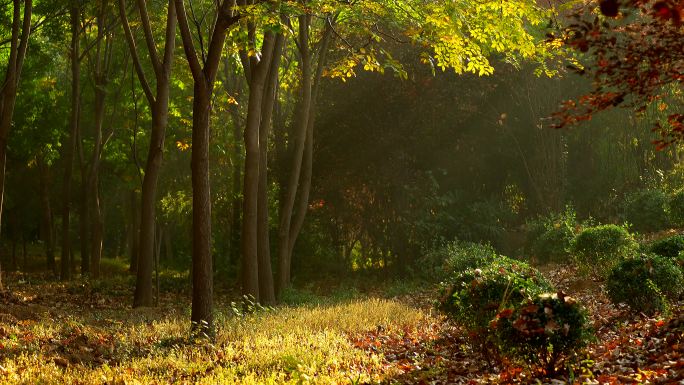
x: 341, y: 192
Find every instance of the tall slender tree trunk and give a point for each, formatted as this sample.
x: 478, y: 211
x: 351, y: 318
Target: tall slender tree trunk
x: 97, y: 227
x: 21, y: 32
x: 48, y: 236
x: 159, y: 106
x: 70, y: 148
x: 102, y: 61
x: 299, y: 182
x: 236, y: 204
x: 301, y: 125
x: 266, y: 287
x: 258, y: 74
x: 204, y: 76
x: 84, y: 213
x: 96, y: 220
x: 143, y: 288
x: 233, y: 86
x: 134, y: 233
x: 202, y: 268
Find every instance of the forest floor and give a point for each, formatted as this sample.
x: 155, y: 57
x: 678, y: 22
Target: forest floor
x: 86, y: 333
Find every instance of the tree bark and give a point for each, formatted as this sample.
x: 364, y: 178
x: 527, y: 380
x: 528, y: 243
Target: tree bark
x: 266, y: 287
x: 21, y: 32
x: 159, y: 106
x: 70, y: 148
x: 202, y: 269
x: 291, y: 221
x: 249, y: 236
x: 84, y: 209
x: 301, y: 125
x: 233, y: 86
x: 48, y: 236
x: 134, y: 233
x: 101, y: 80
x: 204, y: 76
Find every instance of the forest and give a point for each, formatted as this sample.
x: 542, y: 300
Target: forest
x: 341, y: 192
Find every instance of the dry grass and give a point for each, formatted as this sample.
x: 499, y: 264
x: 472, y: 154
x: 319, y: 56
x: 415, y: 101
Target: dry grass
x: 116, y: 345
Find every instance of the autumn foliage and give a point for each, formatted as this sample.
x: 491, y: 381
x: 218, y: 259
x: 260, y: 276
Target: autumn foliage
x: 633, y: 51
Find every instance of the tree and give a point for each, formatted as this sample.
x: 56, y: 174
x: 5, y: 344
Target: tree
x: 159, y: 108
x: 204, y: 69
x: 21, y: 32
x: 633, y: 53
x: 261, y: 73
x: 70, y: 148
x: 458, y: 36
x: 312, y: 59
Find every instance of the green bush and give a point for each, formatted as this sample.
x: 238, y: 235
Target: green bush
x: 455, y: 257
x: 549, y: 238
x: 646, y: 210
x: 542, y: 331
x: 677, y: 208
x: 646, y: 283
x: 477, y: 295
x: 597, y: 249
x: 669, y: 247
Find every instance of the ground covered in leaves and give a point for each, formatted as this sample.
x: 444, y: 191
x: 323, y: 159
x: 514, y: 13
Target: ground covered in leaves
x: 629, y: 348
x: 86, y: 333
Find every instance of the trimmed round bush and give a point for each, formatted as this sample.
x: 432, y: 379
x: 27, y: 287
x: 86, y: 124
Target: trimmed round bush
x: 646, y: 283
x: 455, y: 257
x: 477, y: 295
x: 677, y: 208
x: 646, y: 210
x: 542, y: 331
x: 597, y: 249
x: 462, y: 256
x: 549, y: 239
x: 669, y: 247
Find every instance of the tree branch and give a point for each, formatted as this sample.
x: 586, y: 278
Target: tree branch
x: 149, y: 37
x: 188, y: 45
x: 134, y: 53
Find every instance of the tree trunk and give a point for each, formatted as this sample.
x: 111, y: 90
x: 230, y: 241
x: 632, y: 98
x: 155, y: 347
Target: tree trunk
x: 266, y: 287
x: 249, y: 237
x: 70, y: 148
x: 21, y: 32
x: 23, y: 252
x: 202, y: 268
x: 291, y: 221
x: 48, y: 236
x: 233, y: 86
x: 84, y: 220
x: 204, y: 76
x: 97, y: 228
x: 13, y: 266
x: 143, y: 286
x: 159, y: 106
x: 134, y: 233
x: 96, y: 221
x: 301, y: 125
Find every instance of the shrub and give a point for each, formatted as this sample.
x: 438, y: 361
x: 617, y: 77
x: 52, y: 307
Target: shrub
x: 646, y: 210
x: 455, y: 257
x: 677, y: 208
x: 669, y: 247
x: 597, y: 249
x: 477, y: 295
x: 549, y: 238
x: 542, y: 331
x: 646, y: 283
